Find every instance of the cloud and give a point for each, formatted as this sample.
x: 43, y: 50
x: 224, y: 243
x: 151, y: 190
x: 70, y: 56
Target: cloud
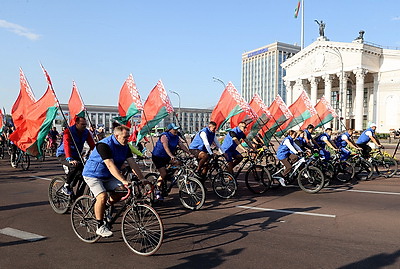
x: 396, y: 18
x: 19, y: 30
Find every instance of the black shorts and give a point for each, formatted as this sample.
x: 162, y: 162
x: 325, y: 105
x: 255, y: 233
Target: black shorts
x: 160, y: 161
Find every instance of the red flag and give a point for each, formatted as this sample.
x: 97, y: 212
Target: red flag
x: 47, y: 76
x: 129, y: 102
x: 230, y: 104
x: 157, y: 106
x: 1, y: 121
x: 301, y: 109
x: 75, y: 105
x: 25, y: 97
x: 325, y: 113
x: 263, y: 116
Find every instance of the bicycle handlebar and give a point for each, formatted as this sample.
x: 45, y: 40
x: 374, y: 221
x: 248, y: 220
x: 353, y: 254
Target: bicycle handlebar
x: 129, y: 192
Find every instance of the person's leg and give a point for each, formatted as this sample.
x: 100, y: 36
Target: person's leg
x: 203, y: 159
x: 238, y: 158
x: 288, y: 166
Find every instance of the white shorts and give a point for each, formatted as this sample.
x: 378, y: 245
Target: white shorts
x: 98, y: 185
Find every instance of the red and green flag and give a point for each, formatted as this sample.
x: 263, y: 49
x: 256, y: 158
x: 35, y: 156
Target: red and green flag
x: 280, y: 113
x: 301, y: 110
x: 32, y: 130
x: 325, y: 113
x: 129, y: 103
x: 231, y: 103
x: 263, y: 116
x: 2, y: 118
x: 297, y: 9
x: 156, y: 107
x: 75, y: 105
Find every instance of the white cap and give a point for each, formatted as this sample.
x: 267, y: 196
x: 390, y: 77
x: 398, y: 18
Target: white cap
x: 372, y: 125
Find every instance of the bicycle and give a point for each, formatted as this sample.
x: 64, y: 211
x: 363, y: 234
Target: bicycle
x: 257, y: 177
x: 145, y: 161
x: 223, y: 183
x: 141, y: 226
x: 2, y: 151
x: 191, y: 190
x: 309, y: 177
x: 363, y: 169
x: 383, y: 163
x: 20, y: 157
x: 61, y: 202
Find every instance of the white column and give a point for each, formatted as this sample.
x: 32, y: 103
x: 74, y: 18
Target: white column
x: 314, y: 87
x: 297, y: 88
x: 289, y: 91
x: 359, y: 98
x: 343, y: 88
x: 374, y: 99
x: 328, y: 86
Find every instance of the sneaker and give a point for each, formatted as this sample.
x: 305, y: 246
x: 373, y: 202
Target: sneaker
x: 159, y: 195
x: 103, y: 231
x: 282, y: 181
x: 66, y: 190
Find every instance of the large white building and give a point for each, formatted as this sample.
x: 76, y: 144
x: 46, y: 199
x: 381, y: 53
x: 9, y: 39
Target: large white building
x: 361, y: 80
x: 262, y: 72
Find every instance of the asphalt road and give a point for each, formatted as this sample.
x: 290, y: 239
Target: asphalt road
x: 346, y: 226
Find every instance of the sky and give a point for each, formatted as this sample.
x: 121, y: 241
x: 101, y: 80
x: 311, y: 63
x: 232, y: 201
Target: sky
x: 185, y: 43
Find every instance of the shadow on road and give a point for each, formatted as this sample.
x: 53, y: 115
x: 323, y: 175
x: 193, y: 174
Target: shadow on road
x: 17, y: 206
x: 377, y: 261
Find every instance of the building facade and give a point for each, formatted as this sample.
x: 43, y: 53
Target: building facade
x: 362, y: 81
x: 190, y: 119
x: 262, y: 72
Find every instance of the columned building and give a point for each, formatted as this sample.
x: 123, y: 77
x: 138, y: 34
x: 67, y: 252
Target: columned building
x: 361, y: 80
x: 262, y: 72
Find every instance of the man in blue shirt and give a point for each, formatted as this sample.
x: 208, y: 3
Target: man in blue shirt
x: 367, y: 136
x: 102, y: 173
x: 324, y: 140
x: 344, y: 140
x: 231, y: 142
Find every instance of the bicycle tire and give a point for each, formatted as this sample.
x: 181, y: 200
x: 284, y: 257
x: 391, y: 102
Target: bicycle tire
x: 258, y: 179
x: 83, y: 220
x: 224, y: 185
x: 25, y: 161
x: 1, y: 152
x: 142, y: 229
x: 344, y: 171
x: 59, y: 202
x: 191, y: 192
x: 386, y: 166
x: 363, y: 170
x: 311, y: 179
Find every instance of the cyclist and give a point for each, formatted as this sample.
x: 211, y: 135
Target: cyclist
x: 308, y: 135
x: 287, y: 154
x: 102, y: 173
x: 344, y: 140
x: 201, y: 147
x: 52, y: 135
x: 69, y: 155
x: 13, y: 147
x: 231, y: 141
x: 324, y: 140
x: 365, y: 137
x: 163, y: 153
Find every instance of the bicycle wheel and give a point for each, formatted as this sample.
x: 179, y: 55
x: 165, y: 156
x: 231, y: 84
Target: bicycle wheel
x: 83, y: 220
x: 1, y: 152
x: 58, y: 201
x: 142, y: 229
x: 363, y: 169
x: 191, y: 192
x: 224, y: 185
x: 25, y: 161
x: 311, y: 179
x: 344, y: 171
x: 386, y: 166
x: 258, y: 179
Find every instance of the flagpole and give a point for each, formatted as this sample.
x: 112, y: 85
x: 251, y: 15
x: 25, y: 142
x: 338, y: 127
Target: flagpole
x: 62, y: 113
x: 302, y: 24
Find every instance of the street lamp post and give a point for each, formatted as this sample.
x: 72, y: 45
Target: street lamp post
x: 179, y: 102
x: 219, y: 80
x: 341, y: 90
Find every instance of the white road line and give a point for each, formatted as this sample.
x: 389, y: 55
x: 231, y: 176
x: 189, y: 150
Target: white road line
x: 45, y: 178
x: 374, y: 192
x: 21, y: 234
x: 288, y: 211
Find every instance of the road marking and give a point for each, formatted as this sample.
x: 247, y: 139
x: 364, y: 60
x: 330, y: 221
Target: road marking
x: 288, y: 211
x: 374, y: 192
x: 45, y: 178
x: 21, y: 234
